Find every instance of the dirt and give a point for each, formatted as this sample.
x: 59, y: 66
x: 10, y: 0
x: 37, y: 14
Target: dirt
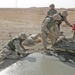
x: 15, y: 21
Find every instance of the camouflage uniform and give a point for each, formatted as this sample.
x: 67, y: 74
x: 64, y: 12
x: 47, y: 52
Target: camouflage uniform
x: 51, y: 12
x: 13, y: 49
x: 63, y: 18
x: 49, y: 28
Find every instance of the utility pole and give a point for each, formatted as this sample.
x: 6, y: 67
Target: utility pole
x: 16, y: 3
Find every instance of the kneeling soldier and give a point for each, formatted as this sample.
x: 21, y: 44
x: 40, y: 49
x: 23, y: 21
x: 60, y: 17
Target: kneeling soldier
x: 14, y: 48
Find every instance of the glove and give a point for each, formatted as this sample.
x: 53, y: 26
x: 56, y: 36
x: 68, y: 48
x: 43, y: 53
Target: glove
x: 71, y: 26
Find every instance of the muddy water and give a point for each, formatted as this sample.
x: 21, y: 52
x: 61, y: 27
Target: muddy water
x: 39, y: 64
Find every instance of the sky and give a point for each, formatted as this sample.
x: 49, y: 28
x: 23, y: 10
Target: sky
x: 36, y: 3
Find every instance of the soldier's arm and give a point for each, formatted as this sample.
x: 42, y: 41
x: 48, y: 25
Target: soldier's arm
x: 18, y: 47
x: 66, y: 21
x: 22, y: 46
x: 47, y: 20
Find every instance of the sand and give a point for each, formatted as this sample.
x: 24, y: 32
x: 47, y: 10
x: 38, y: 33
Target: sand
x: 15, y: 21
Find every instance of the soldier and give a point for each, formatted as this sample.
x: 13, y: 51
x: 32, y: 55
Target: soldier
x: 52, y: 10
x: 32, y: 39
x: 49, y: 27
x: 63, y: 15
x: 14, y: 48
x: 35, y: 37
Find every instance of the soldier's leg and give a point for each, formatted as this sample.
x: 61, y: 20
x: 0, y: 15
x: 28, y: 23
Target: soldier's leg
x: 5, y: 53
x: 14, y: 55
x: 44, y: 39
x: 53, y: 40
x: 59, y: 27
x: 53, y: 36
x: 56, y: 30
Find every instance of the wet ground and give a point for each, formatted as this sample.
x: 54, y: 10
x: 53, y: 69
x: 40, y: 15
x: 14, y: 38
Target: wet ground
x: 39, y: 64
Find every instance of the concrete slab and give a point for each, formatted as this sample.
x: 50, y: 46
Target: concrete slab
x: 39, y: 64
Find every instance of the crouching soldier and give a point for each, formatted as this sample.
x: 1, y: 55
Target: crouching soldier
x: 49, y: 27
x: 63, y: 15
x: 32, y: 39
x: 35, y: 37
x: 14, y: 48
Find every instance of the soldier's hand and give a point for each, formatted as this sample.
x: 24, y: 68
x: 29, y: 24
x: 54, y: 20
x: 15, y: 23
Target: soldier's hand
x: 71, y: 26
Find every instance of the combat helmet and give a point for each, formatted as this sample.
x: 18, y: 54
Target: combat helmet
x: 23, y: 36
x: 64, y: 13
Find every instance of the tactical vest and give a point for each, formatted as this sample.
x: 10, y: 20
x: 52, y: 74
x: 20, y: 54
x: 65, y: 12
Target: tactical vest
x: 62, y: 19
x: 51, y: 23
x: 11, y: 45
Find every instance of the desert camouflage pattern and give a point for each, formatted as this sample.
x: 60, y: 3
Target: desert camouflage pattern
x: 51, y: 12
x: 53, y: 31
x: 12, y: 54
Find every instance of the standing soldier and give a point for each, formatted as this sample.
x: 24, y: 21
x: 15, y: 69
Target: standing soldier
x: 52, y: 10
x: 49, y: 27
x: 14, y: 48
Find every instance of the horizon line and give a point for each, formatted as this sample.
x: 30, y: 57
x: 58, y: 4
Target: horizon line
x: 40, y: 7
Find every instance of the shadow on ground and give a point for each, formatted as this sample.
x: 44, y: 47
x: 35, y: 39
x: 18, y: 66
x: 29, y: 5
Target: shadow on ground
x: 8, y: 62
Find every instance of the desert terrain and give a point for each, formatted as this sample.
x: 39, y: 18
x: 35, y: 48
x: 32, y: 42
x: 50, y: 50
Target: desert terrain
x: 28, y: 20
